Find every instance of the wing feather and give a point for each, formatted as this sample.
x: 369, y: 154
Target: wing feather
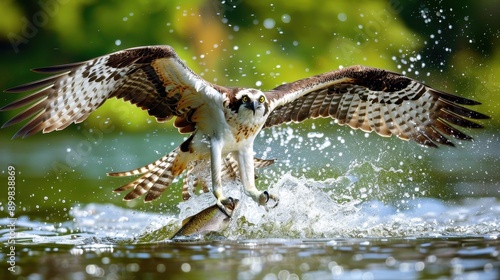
x: 373, y: 99
x: 152, y: 78
x: 316, y: 104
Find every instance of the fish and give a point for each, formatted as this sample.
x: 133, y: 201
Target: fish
x: 208, y: 220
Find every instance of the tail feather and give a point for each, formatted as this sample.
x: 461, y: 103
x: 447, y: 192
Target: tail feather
x: 156, y: 177
x: 160, y: 185
x: 141, y: 170
x: 261, y: 163
x: 189, y: 183
x: 129, y: 185
x: 144, y: 184
x: 230, y: 168
x: 192, y: 181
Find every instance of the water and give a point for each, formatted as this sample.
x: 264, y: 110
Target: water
x: 458, y: 258
x: 362, y: 207
x: 367, y: 240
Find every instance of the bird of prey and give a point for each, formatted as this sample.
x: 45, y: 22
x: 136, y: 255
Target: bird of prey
x: 224, y: 121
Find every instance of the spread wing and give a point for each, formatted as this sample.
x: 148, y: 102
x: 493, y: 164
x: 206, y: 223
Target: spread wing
x: 152, y: 78
x: 373, y: 99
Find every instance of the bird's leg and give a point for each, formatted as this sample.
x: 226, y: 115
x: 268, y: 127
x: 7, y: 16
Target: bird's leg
x: 225, y: 204
x: 247, y: 175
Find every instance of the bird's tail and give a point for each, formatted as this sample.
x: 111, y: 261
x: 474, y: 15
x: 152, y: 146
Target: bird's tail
x: 156, y: 176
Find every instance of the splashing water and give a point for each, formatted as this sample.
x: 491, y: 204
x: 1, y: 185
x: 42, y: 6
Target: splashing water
x: 304, y: 212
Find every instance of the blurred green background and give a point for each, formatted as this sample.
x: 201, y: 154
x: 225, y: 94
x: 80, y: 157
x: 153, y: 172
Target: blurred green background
x: 451, y: 45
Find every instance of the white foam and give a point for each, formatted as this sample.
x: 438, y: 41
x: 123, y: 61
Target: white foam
x: 306, y: 211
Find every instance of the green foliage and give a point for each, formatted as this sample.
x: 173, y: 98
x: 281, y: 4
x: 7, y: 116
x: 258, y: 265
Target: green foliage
x: 262, y: 44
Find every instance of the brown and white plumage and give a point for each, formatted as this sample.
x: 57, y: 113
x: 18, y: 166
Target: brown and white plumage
x: 225, y: 120
x: 152, y: 78
x: 377, y: 100
x: 162, y: 172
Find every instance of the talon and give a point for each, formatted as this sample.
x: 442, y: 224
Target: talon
x: 276, y: 200
x: 267, y: 195
x: 264, y: 199
x: 227, y: 205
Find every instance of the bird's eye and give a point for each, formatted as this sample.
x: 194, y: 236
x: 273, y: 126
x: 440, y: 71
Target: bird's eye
x: 245, y: 99
x: 262, y: 99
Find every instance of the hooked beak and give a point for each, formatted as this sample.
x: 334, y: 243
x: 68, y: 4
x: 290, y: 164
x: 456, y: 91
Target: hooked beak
x: 251, y: 106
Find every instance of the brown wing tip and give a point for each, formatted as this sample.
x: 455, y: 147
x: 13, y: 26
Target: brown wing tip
x: 58, y: 68
x: 26, y: 131
x: 454, y: 98
x: 16, y: 89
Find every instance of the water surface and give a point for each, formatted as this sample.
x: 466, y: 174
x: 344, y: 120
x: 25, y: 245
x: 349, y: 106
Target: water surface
x: 352, y: 206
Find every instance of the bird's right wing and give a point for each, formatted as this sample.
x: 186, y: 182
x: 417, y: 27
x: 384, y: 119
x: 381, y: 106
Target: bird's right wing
x: 152, y: 78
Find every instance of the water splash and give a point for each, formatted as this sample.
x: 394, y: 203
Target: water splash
x: 306, y: 212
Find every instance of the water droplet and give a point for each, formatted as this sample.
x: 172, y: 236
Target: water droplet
x: 286, y: 18
x: 186, y: 267
x: 269, y: 23
x: 342, y: 17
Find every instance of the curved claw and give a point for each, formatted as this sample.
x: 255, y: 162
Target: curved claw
x: 264, y: 199
x: 227, y: 205
x: 276, y: 200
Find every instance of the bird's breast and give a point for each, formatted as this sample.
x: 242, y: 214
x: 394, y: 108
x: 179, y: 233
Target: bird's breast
x: 246, y: 132
x: 243, y: 127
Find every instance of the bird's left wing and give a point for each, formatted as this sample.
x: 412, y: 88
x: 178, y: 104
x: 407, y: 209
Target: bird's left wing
x: 152, y: 78
x: 373, y: 99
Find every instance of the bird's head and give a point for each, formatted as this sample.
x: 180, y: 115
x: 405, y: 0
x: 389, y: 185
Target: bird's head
x: 251, y: 101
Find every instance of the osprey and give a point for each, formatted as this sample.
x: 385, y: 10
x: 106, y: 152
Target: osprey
x: 224, y: 121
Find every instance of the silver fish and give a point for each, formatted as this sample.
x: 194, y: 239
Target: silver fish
x: 209, y: 219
